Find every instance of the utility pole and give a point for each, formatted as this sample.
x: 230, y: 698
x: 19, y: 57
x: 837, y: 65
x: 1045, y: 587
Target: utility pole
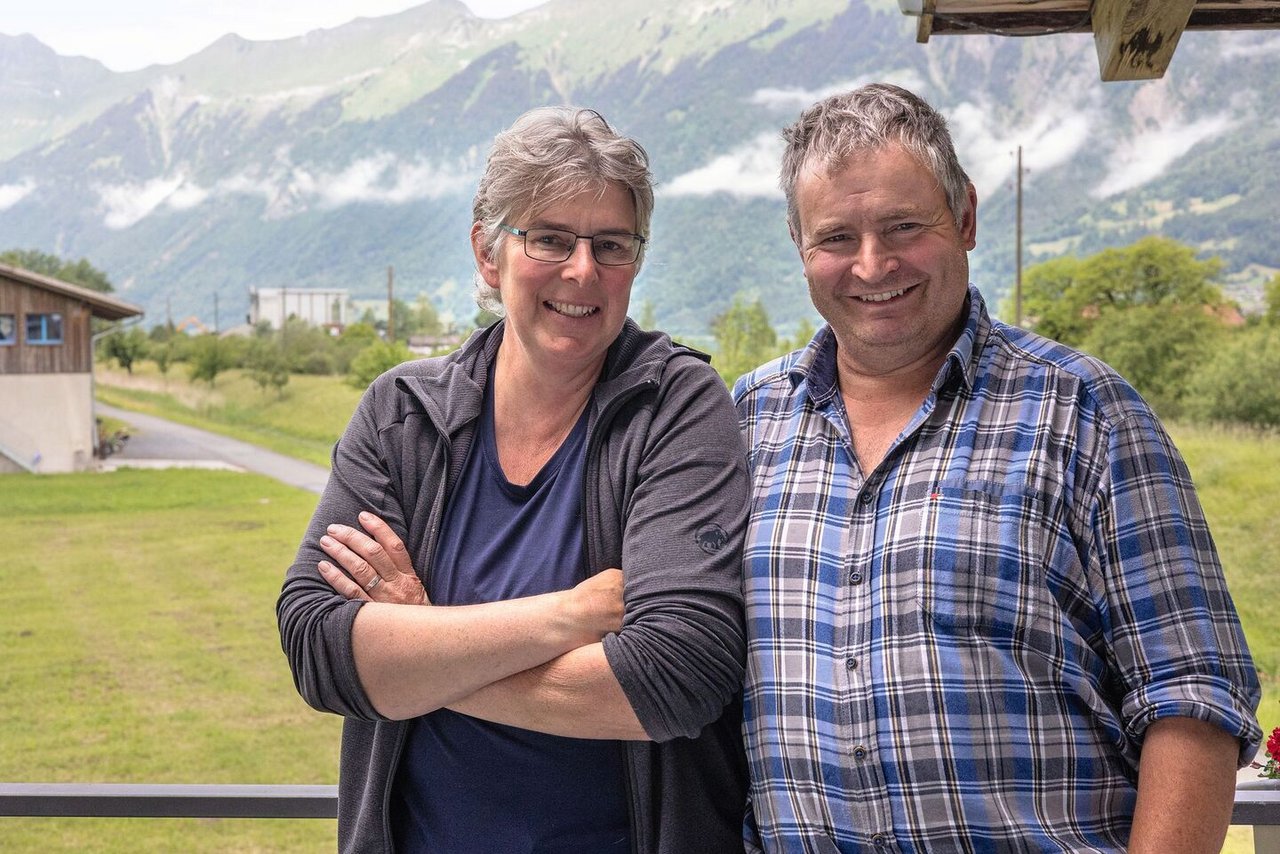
x: 391, y: 305
x: 216, y: 328
x: 1017, y: 283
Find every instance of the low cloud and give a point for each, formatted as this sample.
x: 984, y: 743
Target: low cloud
x: 127, y: 204
x: 794, y: 99
x: 984, y: 141
x: 287, y: 189
x: 382, y: 179
x: 987, y: 147
x: 11, y: 194
x: 750, y: 170
x: 1148, y: 153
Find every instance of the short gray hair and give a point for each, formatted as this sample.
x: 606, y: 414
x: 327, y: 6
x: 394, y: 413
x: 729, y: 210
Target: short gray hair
x: 549, y: 155
x: 867, y: 119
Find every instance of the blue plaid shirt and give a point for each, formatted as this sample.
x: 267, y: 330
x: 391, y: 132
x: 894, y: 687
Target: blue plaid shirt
x: 961, y: 650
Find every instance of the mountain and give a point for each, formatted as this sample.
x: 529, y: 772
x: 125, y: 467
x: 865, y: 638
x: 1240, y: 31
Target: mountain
x: 325, y: 159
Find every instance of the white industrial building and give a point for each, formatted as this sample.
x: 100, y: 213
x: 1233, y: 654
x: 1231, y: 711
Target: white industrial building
x: 327, y: 307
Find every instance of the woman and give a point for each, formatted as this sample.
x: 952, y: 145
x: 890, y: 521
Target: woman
x: 572, y: 492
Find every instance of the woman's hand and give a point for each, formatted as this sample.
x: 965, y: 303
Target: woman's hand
x: 374, y: 566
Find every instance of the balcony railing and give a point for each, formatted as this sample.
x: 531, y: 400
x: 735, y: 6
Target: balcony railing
x: 1256, y: 806
x: 143, y: 800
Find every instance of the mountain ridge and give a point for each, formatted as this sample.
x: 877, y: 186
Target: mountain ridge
x: 323, y: 159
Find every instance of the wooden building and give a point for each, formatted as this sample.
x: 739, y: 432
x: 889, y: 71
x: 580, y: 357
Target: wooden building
x: 46, y: 370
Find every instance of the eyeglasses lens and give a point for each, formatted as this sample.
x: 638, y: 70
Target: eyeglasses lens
x: 611, y: 250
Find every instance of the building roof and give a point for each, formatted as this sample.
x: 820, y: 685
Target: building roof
x: 102, y: 305
x: 1135, y: 39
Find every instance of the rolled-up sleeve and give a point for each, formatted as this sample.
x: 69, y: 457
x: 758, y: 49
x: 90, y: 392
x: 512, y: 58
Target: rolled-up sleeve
x: 1177, y: 640
x: 680, y: 655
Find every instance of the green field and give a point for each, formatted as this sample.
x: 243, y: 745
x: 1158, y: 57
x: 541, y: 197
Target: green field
x: 140, y: 641
x: 140, y: 646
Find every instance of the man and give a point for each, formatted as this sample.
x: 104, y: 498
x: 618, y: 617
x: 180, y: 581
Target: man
x: 985, y: 612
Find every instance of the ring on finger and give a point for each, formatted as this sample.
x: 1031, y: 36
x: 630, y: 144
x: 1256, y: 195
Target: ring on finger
x: 377, y: 579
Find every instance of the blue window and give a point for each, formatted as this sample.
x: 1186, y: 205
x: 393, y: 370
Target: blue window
x: 8, y: 329
x: 44, y: 328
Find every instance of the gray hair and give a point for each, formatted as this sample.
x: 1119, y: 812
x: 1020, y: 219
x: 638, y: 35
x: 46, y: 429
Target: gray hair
x: 550, y: 155
x: 867, y: 119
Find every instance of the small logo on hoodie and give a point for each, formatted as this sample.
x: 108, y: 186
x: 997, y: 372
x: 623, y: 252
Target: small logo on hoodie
x: 711, y: 538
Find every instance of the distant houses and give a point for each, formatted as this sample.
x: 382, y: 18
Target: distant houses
x: 47, y: 419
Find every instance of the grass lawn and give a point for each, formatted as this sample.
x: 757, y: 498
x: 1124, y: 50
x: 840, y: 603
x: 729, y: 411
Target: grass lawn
x: 139, y: 645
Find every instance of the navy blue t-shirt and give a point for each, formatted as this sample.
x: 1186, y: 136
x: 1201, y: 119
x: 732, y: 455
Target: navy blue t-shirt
x: 467, y: 786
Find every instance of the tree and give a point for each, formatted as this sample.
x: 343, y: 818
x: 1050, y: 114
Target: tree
x: 804, y: 333
x: 162, y: 354
x: 306, y: 349
x: 1271, y: 294
x: 485, y: 318
x: 209, y: 357
x: 421, y: 318
x: 744, y: 338
x: 1156, y: 347
x: 1237, y: 382
x: 375, y: 360
x: 76, y: 272
x: 268, y: 365
x: 126, y: 347
x: 646, y: 319
x: 1064, y: 297
x: 354, y: 338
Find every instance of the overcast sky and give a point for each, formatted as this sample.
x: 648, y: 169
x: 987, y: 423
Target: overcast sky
x: 129, y: 34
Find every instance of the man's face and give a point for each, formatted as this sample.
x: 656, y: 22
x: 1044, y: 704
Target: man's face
x: 886, y: 262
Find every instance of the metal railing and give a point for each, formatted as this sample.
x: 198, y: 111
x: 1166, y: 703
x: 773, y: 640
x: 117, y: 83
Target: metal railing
x: 1258, y: 804
x: 145, y: 800
x: 1255, y: 805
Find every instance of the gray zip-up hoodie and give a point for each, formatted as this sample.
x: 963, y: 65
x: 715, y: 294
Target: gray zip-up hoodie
x: 665, y: 497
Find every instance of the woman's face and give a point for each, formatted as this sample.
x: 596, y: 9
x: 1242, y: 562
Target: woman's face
x: 562, y: 316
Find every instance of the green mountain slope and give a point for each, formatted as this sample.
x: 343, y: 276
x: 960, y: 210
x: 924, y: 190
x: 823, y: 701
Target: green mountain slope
x: 324, y: 159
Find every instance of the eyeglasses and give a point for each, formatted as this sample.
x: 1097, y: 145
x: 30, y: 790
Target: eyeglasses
x: 614, y: 249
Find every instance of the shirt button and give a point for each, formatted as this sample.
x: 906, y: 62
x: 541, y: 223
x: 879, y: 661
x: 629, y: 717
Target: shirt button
x: 880, y: 839
x: 855, y: 577
x: 867, y: 497
x: 859, y: 752
x: 851, y: 663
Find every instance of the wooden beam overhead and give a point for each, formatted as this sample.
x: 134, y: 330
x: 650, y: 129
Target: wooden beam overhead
x: 1136, y: 39
x: 924, y: 27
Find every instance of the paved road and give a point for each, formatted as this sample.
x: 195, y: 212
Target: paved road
x: 155, y: 442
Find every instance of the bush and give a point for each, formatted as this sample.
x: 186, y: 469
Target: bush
x: 1156, y: 347
x: 1237, y: 383
x: 375, y: 360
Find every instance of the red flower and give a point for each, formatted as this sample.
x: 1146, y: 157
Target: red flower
x: 1273, y: 744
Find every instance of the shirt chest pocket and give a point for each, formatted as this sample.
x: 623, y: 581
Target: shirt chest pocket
x: 983, y: 551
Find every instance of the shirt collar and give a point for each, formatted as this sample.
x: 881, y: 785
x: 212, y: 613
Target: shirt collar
x: 815, y: 369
